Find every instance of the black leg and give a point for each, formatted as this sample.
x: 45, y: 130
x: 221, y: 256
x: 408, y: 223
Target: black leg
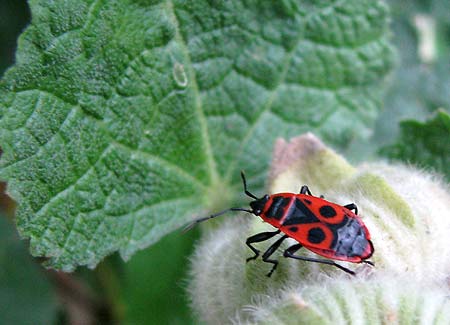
x: 305, y: 190
x: 270, y: 251
x: 291, y: 250
x: 352, y: 206
x: 259, y: 238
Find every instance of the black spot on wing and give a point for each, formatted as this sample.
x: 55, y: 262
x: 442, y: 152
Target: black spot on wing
x: 293, y: 229
x: 327, y: 211
x: 316, y: 235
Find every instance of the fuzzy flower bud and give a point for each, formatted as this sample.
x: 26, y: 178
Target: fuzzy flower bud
x: 380, y: 300
x: 407, y: 213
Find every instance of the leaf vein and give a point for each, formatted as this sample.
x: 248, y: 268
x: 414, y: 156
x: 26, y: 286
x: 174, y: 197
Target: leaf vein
x: 42, y: 145
x: 163, y: 162
x: 267, y: 107
x: 198, y: 103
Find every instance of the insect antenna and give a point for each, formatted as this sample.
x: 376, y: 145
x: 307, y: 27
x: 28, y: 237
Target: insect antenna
x: 197, y: 221
x: 245, y: 187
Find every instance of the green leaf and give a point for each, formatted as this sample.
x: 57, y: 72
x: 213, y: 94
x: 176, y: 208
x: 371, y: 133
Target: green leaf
x: 424, y: 144
x: 123, y: 119
x: 26, y: 296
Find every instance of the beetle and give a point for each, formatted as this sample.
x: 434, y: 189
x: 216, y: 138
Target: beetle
x: 325, y: 228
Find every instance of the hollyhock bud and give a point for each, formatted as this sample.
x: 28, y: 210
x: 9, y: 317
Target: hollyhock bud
x: 407, y: 212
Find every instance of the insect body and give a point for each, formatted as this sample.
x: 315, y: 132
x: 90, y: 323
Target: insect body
x: 325, y: 228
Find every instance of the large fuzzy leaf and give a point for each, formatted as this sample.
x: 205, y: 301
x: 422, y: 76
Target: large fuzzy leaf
x: 123, y: 119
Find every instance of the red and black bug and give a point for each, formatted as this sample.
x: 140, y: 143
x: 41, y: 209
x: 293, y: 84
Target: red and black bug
x: 325, y: 228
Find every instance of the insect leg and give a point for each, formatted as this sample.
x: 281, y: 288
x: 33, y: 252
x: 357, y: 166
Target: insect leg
x: 352, y: 206
x: 305, y: 190
x: 291, y: 250
x: 270, y: 251
x: 259, y: 238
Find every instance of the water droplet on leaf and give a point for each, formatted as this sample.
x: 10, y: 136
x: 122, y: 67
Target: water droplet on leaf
x: 180, y: 75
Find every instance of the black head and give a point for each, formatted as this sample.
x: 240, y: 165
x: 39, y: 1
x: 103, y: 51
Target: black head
x: 258, y: 205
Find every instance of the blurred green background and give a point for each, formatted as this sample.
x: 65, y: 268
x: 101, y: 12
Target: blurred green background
x: 150, y: 288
